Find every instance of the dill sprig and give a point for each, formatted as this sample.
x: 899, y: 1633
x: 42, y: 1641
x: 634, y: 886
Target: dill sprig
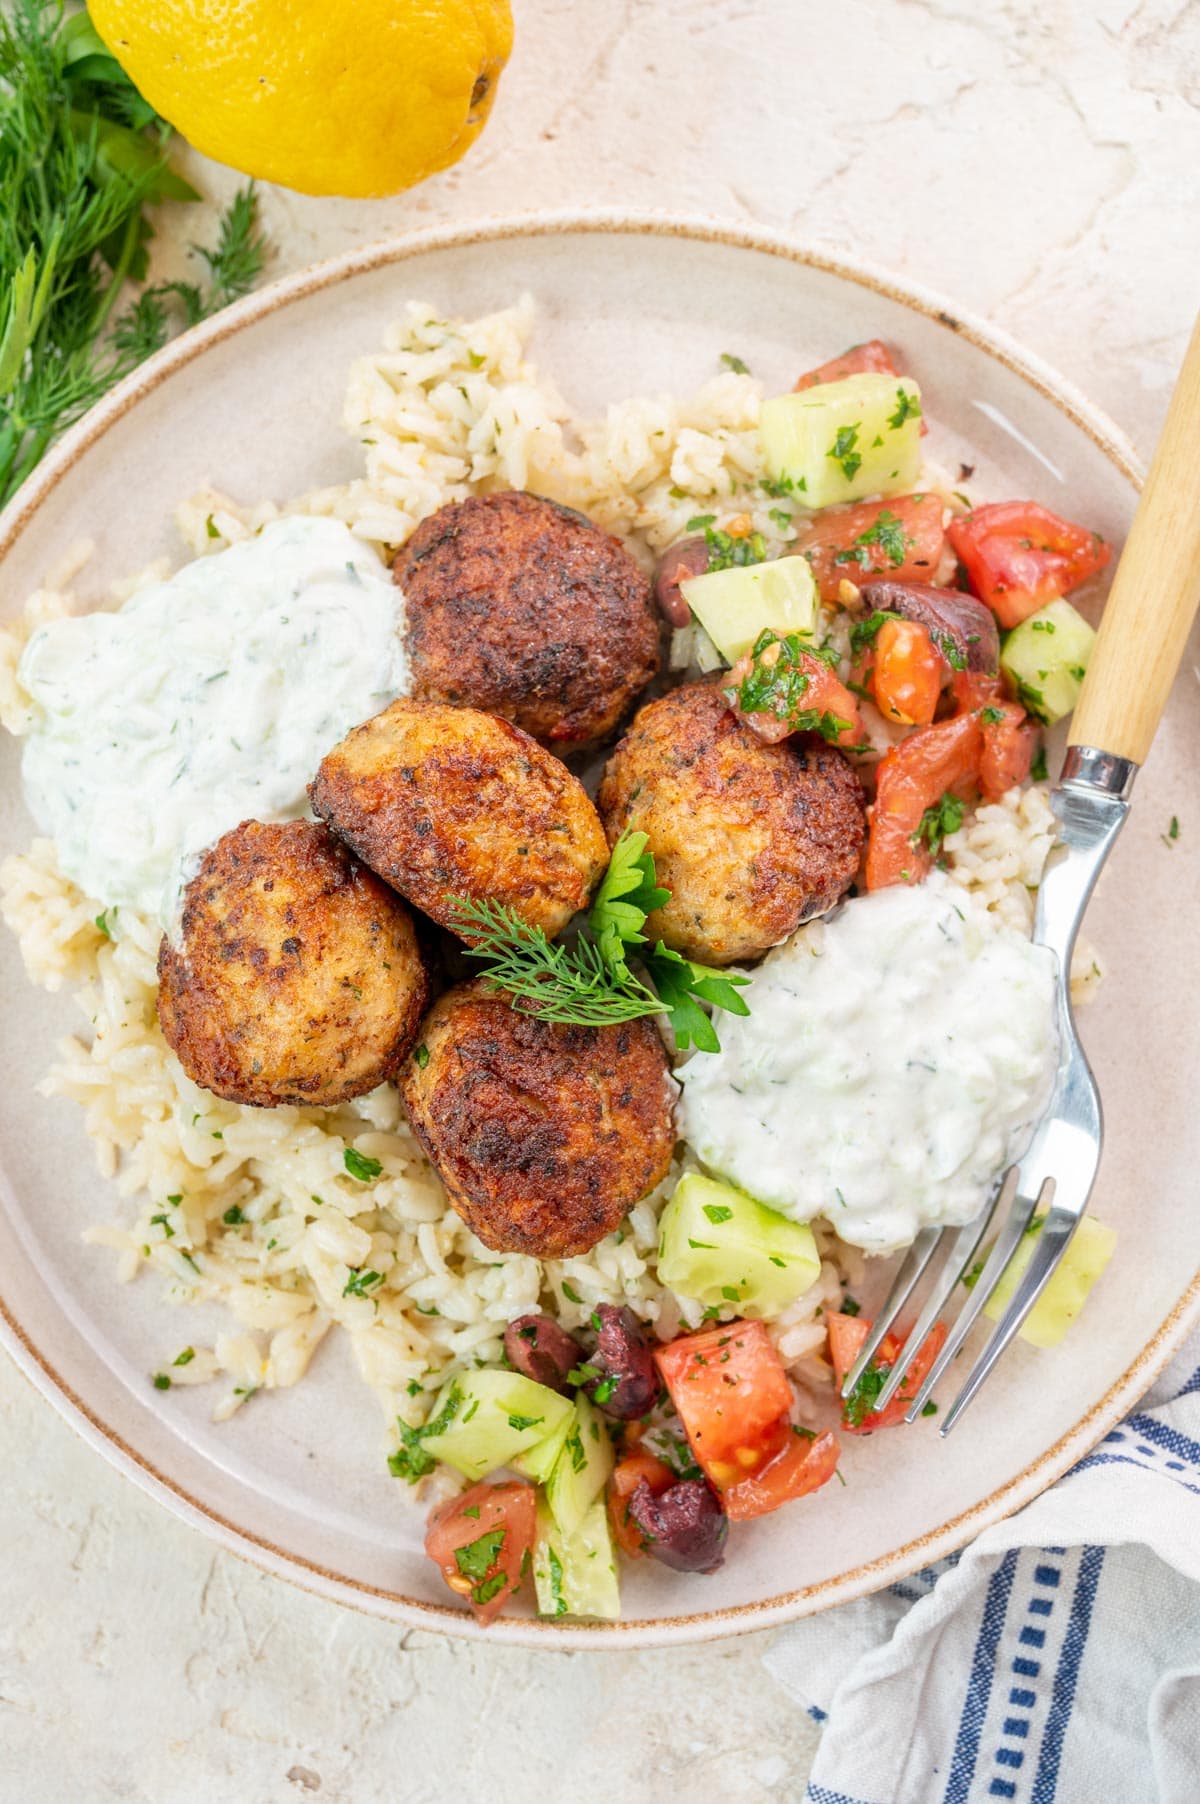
x: 568, y: 984
x: 82, y: 159
x: 589, y: 983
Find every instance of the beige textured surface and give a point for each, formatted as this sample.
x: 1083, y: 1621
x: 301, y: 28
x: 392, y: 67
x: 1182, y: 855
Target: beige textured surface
x: 1038, y: 160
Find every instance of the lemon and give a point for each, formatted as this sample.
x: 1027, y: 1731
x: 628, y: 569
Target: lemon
x: 354, y: 97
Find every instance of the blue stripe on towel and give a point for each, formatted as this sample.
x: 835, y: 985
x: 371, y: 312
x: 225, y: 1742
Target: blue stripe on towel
x: 979, y: 1684
x: 1062, y: 1697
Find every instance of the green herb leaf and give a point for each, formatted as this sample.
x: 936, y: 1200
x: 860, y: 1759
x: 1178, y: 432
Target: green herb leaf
x: 843, y: 452
x: 359, y: 1166
x: 944, y: 818
x: 410, y: 1461
x: 735, y: 364
x: 360, y: 1282
x: 863, y: 1398
x: 483, y: 1594
x: 477, y: 1558
x: 629, y: 891
x: 682, y: 985
x: 907, y: 408
x: 884, y: 539
x: 556, y: 1582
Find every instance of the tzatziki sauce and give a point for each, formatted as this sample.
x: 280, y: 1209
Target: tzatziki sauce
x: 207, y: 699
x: 895, y: 1059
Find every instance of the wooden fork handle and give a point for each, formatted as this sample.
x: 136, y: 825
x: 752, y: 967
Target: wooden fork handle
x: 1155, y: 592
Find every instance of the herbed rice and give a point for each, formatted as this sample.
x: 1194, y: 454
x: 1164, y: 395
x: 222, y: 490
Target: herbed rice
x: 257, y: 1209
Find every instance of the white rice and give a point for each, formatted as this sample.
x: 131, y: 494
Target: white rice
x: 255, y: 1209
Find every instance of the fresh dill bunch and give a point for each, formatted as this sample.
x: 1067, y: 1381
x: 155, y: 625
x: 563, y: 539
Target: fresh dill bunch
x: 567, y: 984
x: 82, y: 159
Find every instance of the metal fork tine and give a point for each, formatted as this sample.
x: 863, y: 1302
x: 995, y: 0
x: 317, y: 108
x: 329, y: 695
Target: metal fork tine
x: 915, y: 1260
x: 962, y: 1251
x: 1005, y: 1246
x: 1056, y: 1231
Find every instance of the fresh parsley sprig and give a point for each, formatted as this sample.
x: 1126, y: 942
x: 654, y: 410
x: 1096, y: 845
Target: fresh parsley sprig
x: 589, y: 982
x: 628, y: 893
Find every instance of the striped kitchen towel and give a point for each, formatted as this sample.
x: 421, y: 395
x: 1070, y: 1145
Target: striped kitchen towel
x: 1055, y: 1661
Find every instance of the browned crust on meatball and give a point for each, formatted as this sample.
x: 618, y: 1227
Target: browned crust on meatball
x: 526, y: 609
x: 751, y: 839
x: 297, y: 978
x: 545, y: 1136
x: 447, y: 802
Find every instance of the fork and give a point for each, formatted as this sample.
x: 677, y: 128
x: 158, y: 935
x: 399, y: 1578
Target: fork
x: 1151, y: 605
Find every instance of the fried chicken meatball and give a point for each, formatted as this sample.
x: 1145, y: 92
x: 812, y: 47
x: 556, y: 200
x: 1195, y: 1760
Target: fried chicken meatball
x: 751, y: 839
x: 446, y: 802
x: 525, y: 609
x: 545, y: 1136
x: 297, y: 978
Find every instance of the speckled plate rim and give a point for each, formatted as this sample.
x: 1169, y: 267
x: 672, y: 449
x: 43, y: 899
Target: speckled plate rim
x: 859, y: 1581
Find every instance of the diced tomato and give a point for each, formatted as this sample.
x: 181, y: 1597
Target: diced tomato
x: 846, y: 1336
x: 906, y: 673
x: 900, y: 538
x: 626, y: 1478
x: 733, y: 1398
x: 1018, y: 556
x: 805, y: 1464
x: 914, y: 776
x: 481, y: 1542
x: 788, y: 690
x: 873, y: 355
x: 1010, y: 738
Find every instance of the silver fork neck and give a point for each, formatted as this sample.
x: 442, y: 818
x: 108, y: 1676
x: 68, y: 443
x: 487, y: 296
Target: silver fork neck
x: 1090, y: 801
x: 1085, y: 766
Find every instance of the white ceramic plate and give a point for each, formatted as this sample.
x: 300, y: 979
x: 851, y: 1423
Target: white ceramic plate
x: 252, y: 401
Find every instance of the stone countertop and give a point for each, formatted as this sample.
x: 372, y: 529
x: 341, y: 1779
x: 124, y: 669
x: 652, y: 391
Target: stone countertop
x: 1035, y: 160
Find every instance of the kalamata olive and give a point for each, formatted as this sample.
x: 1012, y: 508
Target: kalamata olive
x: 947, y: 614
x: 684, y: 1527
x: 689, y: 557
x: 539, y: 1349
x: 627, y: 1382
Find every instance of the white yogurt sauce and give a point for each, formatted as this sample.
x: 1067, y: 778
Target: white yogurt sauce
x: 894, y: 1060
x: 205, y: 700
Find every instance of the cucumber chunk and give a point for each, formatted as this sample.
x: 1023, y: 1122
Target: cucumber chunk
x: 842, y: 440
x: 1089, y: 1251
x: 576, y: 1575
x: 1046, y: 657
x: 720, y: 1246
x: 496, y: 1415
x: 734, y: 606
x: 581, y: 1470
